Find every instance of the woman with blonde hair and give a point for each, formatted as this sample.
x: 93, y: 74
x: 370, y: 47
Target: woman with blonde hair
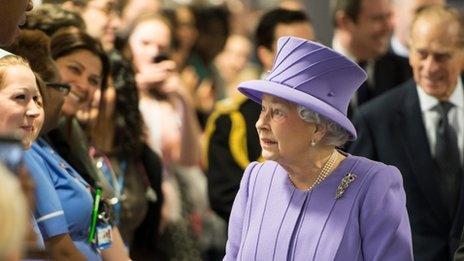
x: 20, y: 100
x: 22, y: 117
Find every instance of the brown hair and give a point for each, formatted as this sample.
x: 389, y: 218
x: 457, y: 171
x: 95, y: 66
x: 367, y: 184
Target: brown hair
x: 34, y: 45
x: 66, y: 42
x: 352, y: 8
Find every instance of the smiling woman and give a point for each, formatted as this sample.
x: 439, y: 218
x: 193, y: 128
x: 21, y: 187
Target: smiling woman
x: 83, y: 65
x: 20, y: 100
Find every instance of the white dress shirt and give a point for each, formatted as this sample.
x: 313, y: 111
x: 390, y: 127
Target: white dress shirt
x: 398, y: 48
x: 455, y: 116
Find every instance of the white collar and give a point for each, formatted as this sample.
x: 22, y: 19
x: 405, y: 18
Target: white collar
x: 427, y: 102
x: 399, y: 48
x: 3, y: 53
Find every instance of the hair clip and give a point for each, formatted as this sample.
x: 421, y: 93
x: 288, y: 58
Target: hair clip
x: 344, y: 184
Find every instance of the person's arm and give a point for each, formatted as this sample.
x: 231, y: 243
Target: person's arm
x: 384, y: 221
x: 190, y: 145
x: 236, y: 216
x: 61, y: 247
x: 117, y: 251
x: 164, y: 78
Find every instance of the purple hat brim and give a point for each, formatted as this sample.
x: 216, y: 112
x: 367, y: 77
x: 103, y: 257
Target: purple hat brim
x: 255, y: 89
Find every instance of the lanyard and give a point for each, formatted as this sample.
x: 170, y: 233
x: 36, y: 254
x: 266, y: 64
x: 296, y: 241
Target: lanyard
x: 93, y: 224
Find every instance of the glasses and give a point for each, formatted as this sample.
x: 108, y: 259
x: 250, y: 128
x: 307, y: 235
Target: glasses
x: 64, y: 88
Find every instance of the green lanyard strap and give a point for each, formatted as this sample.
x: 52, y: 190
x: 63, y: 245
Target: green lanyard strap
x: 96, y: 205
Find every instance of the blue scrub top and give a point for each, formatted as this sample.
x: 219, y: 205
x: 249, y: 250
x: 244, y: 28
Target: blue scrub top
x: 63, y: 198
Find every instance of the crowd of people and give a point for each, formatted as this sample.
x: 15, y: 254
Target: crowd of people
x: 130, y: 130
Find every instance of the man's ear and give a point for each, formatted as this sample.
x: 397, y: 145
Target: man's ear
x: 265, y: 56
x: 343, y: 21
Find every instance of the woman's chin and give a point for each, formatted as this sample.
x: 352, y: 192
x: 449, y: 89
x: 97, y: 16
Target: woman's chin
x: 26, y: 143
x: 268, y: 155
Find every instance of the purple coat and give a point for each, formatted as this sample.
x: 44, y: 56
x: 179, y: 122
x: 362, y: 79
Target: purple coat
x: 271, y: 220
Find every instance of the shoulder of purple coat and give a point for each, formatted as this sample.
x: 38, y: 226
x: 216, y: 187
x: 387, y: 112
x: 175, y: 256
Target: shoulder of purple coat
x: 385, y: 225
x: 378, y: 170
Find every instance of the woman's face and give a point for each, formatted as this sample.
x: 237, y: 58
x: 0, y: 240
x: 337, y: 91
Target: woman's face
x: 83, y: 71
x: 21, y: 105
x: 186, y: 30
x: 283, y: 135
x: 149, y: 39
x: 101, y: 21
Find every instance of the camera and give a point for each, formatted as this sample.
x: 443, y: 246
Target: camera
x: 11, y: 152
x: 160, y: 57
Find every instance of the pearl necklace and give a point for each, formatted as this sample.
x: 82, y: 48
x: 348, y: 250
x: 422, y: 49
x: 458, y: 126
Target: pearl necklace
x: 325, y: 171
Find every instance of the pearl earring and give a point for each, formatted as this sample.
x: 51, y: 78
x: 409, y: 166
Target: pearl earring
x: 313, y: 143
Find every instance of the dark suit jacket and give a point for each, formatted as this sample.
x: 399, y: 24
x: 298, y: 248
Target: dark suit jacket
x: 390, y: 71
x: 391, y: 130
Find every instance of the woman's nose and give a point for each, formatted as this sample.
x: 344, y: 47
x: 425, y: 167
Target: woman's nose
x: 33, y: 110
x: 262, y: 121
x: 82, y: 87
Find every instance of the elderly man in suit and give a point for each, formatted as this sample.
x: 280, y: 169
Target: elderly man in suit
x: 362, y: 33
x: 419, y: 128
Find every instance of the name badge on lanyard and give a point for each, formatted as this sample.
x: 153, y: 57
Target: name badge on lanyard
x: 100, y: 234
x: 104, y: 236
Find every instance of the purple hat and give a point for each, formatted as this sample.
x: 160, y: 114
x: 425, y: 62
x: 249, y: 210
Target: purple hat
x: 311, y: 75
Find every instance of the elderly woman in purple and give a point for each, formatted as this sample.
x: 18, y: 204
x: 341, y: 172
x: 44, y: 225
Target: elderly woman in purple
x: 308, y: 200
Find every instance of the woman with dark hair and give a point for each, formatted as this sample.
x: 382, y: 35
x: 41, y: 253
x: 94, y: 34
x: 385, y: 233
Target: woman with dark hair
x: 83, y: 65
x: 173, y: 131
x: 135, y: 167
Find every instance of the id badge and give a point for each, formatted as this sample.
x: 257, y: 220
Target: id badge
x: 104, y: 236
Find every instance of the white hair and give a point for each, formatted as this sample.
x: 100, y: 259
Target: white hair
x: 13, y: 215
x: 335, y: 135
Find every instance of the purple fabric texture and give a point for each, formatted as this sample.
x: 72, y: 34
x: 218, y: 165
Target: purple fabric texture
x: 271, y: 220
x: 312, y: 75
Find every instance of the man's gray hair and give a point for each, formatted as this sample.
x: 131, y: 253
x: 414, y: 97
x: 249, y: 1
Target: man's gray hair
x: 335, y: 135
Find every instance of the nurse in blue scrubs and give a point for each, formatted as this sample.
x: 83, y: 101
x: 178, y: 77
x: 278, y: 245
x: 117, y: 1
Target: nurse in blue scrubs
x: 63, y: 201
x: 63, y: 198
